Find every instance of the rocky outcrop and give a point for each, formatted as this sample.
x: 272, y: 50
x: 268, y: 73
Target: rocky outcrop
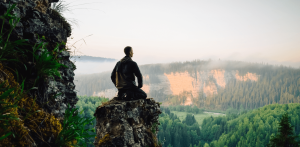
x: 37, y: 20
x: 127, y: 123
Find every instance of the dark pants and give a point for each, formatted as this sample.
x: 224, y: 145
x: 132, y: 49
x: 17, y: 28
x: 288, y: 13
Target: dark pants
x: 132, y: 94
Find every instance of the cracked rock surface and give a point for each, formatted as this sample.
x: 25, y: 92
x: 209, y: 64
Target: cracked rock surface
x: 128, y: 123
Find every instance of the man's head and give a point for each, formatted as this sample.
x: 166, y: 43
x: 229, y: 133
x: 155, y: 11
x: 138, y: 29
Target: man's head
x: 128, y: 51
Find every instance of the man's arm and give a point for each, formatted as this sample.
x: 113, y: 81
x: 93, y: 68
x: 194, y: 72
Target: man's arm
x: 138, y: 74
x: 113, y: 75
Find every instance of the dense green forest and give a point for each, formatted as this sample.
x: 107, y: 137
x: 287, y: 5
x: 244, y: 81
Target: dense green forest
x: 239, y: 128
x: 174, y: 132
x: 276, y: 84
x: 89, y: 105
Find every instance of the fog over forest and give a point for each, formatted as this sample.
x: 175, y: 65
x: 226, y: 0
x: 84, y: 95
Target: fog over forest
x: 101, y: 64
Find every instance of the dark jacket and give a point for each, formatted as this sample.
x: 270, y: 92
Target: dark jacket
x: 123, y: 75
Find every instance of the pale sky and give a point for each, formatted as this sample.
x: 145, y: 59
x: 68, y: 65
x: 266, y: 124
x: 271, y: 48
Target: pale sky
x: 161, y: 31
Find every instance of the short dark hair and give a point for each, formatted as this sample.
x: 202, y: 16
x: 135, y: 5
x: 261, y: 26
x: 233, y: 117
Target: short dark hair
x: 127, y: 50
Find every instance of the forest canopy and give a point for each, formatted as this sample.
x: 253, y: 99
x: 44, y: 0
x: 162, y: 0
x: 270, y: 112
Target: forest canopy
x: 253, y: 128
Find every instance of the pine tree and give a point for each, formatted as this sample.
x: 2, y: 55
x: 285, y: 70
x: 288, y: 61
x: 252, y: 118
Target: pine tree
x: 285, y: 136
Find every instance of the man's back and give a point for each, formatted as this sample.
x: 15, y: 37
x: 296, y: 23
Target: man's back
x: 123, y: 76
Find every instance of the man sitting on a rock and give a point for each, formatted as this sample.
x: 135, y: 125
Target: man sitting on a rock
x: 123, y: 77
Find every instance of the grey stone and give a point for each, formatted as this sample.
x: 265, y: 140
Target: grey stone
x: 127, y: 122
x: 55, y: 111
x: 36, y: 14
x: 63, y: 54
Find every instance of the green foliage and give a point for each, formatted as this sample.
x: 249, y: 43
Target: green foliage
x: 285, y: 135
x: 189, y: 120
x: 199, y: 144
x: 73, y: 128
x: 153, y: 128
x: 206, y: 145
x: 231, y: 111
x: 45, y: 62
x: 253, y: 128
x: 173, y: 132
x: 9, y: 49
x: 88, y: 106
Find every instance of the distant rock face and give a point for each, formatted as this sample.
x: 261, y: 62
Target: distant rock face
x: 127, y: 123
x: 186, y: 84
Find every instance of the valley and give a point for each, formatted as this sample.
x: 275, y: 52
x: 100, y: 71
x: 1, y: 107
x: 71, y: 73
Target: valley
x: 213, y: 85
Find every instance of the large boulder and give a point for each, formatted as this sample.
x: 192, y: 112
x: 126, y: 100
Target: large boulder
x: 127, y: 123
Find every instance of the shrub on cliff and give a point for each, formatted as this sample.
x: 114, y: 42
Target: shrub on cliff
x: 73, y: 129
x: 9, y: 50
x: 45, y: 63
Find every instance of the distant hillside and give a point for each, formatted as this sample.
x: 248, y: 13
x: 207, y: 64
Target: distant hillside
x: 91, y: 59
x: 208, y: 84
